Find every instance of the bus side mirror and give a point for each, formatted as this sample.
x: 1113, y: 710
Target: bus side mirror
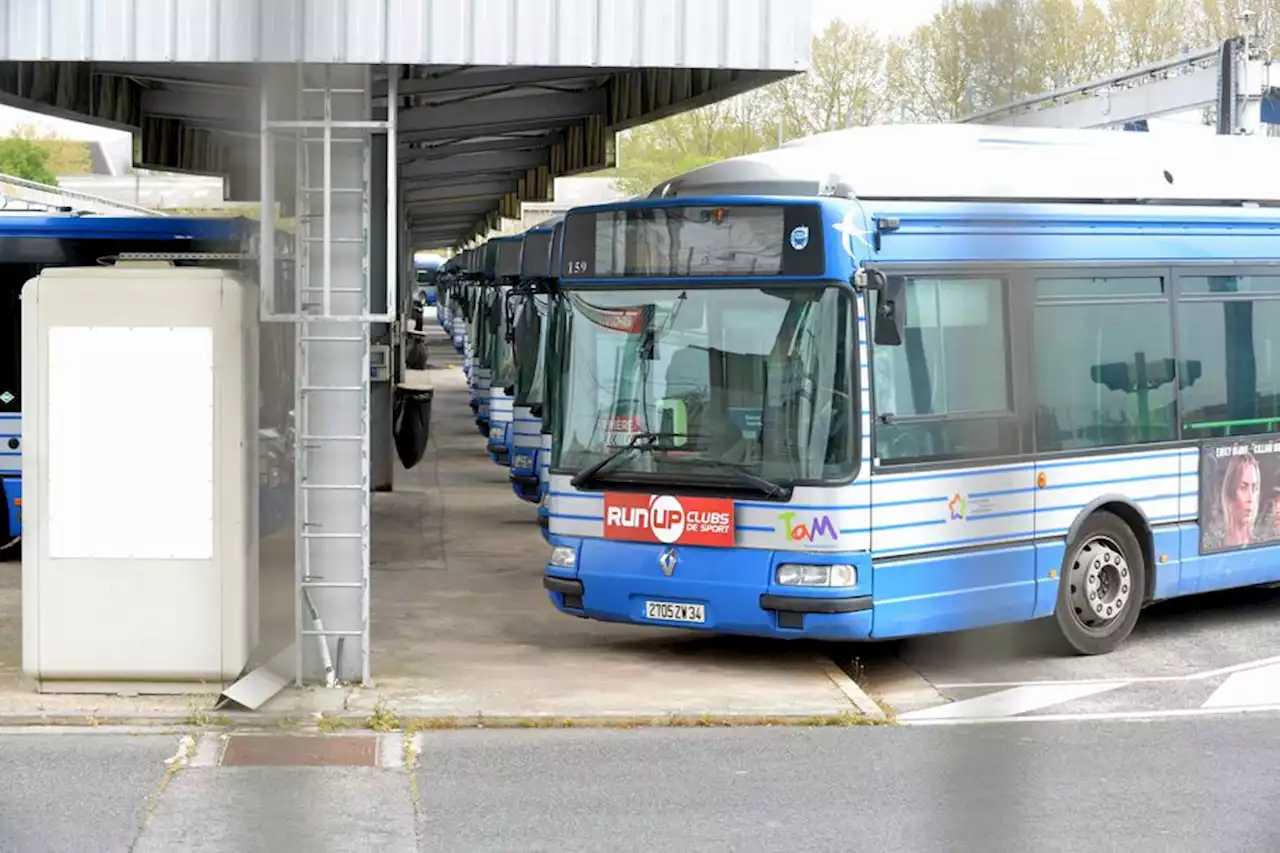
x: 891, y: 311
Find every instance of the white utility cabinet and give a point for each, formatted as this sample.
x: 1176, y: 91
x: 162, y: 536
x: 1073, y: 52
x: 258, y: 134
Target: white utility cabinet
x: 140, y: 478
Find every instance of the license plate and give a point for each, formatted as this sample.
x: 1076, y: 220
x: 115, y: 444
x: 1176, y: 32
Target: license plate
x: 668, y: 611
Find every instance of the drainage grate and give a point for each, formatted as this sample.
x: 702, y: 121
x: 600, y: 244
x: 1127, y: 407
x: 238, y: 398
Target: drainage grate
x: 300, y: 751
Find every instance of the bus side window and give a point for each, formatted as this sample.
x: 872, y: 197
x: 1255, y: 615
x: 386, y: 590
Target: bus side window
x: 1104, y: 367
x: 945, y: 392
x: 1229, y: 331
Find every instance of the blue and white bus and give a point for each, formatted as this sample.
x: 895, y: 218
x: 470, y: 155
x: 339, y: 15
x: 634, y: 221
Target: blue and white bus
x: 530, y: 308
x: 480, y: 299
x: 446, y: 284
x: 29, y: 243
x: 426, y: 266
x: 504, y: 275
x: 1065, y: 403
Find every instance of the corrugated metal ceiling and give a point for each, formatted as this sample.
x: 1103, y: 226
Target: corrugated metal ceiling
x: 747, y: 34
x: 499, y: 97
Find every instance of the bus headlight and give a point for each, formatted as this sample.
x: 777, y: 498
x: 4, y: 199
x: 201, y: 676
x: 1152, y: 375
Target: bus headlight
x: 497, y: 432
x: 522, y: 460
x: 791, y: 574
x: 563, y: 558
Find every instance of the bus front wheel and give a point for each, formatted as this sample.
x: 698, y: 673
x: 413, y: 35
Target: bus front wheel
x: 1102, y: 586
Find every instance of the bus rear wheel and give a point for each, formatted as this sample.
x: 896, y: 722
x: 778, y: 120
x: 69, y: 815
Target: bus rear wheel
x: 1102, y: 586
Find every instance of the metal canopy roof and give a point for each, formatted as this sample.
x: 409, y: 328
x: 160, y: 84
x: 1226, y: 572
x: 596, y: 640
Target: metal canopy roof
x: 973, y: 162
x: 498, y: 97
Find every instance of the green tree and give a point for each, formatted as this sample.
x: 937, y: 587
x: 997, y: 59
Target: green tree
x: 64, y: 156
x: 932, y: 71
x: 1219, y: 20
x: 23, y: 158
x: 845, y: 85
x: 653, y: 153
x: 1148, y: 31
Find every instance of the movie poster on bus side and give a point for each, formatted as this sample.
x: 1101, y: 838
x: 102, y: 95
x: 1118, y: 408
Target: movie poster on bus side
x: 1239, y: 493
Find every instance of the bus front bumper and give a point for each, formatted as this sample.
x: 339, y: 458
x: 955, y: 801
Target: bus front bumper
x: 524, y: 474
x: 730, y: 590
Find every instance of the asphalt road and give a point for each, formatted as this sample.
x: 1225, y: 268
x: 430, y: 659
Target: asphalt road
x: 1201, y: 784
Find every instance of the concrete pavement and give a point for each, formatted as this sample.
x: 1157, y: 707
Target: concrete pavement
x: 462, y: 628
x: 463, y: 631
x: 1186, y: 785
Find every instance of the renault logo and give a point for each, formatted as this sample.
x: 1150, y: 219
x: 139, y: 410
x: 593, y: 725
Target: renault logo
x: 668, y: 562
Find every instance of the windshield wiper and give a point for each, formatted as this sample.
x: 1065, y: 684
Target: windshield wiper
x: 764, y: 484
x: 639, y: 441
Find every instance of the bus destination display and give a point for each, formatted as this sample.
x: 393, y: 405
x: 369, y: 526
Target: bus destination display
x: 731, y: 240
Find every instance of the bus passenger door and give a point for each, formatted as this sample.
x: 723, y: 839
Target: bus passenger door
x: 953, y: 532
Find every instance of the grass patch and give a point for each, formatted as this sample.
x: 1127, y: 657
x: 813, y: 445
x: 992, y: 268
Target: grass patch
x: 383, y: 719
x: 330, y: 723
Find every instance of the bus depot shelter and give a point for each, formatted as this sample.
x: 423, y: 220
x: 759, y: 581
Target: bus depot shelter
x: 368, y: 129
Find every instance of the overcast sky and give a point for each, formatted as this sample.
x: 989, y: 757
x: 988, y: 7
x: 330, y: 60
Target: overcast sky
x: 897, y: 17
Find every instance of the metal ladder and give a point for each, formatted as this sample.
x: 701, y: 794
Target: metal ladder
x: 322, y: 327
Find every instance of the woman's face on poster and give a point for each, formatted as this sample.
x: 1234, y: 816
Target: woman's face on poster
x: 1245, y: 501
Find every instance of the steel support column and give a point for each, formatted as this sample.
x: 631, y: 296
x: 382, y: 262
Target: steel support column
x: 381, y: 443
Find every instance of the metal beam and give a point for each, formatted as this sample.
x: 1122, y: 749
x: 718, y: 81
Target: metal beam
x: 229, y: 77
x: 444, y: 226
x: 470, y: 208
x: 487, y: 77
x: 439, y: 238
x: 1105, y: 109
x: 223, y: 108
x: 475, y: 146
x: 444, y: 233
x: 475, y: 116
x: 474, y: 164
x: 474, y: 191
x: 1125, y: 79
x: 440, y: 182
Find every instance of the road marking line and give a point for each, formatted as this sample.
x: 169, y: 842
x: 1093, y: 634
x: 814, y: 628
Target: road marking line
x: 391, y: 751
x: 1148, y: 679
x: 852, y: 691
x: 1255, y: 687
x: 1097, y: 716
x: 1009, y: 703
x: 184, y: 749
x: 209, y: 749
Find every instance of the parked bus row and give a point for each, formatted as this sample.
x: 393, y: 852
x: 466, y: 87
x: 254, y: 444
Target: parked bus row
x: 30, y: 242
x: 893, y: 381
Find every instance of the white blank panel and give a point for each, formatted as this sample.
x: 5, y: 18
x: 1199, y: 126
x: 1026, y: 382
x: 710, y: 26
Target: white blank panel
x: 139, y: 484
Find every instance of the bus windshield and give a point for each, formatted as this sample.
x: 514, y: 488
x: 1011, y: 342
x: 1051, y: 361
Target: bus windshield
x: 501, y: 355
x: 756, y: 377
x: 12, y: 277
x: 530, y: 328
x: 482, y: 304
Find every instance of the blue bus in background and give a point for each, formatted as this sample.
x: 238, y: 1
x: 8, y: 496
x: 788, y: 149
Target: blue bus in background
x: 530, y: 310
x: 907, y: 380
x: 425, y: 268
x: 30, y: 242
x: 502, y: 274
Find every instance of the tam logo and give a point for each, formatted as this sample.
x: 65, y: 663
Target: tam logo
x: 668, y: 519
x: 819, y: 525
x: 958, y: 507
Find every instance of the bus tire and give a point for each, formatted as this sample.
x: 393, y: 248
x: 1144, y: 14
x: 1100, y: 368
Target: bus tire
x: 1102, y: 586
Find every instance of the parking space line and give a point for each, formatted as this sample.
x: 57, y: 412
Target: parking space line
x: 1147, y: 679
x: 1009, y: 703
x: 1258, y: 687
x: 1096, y: 716
x: 208, y: 750
x: 851, y: 689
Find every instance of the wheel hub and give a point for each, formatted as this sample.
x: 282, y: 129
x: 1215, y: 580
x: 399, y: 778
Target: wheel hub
x: 1100, y: 582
